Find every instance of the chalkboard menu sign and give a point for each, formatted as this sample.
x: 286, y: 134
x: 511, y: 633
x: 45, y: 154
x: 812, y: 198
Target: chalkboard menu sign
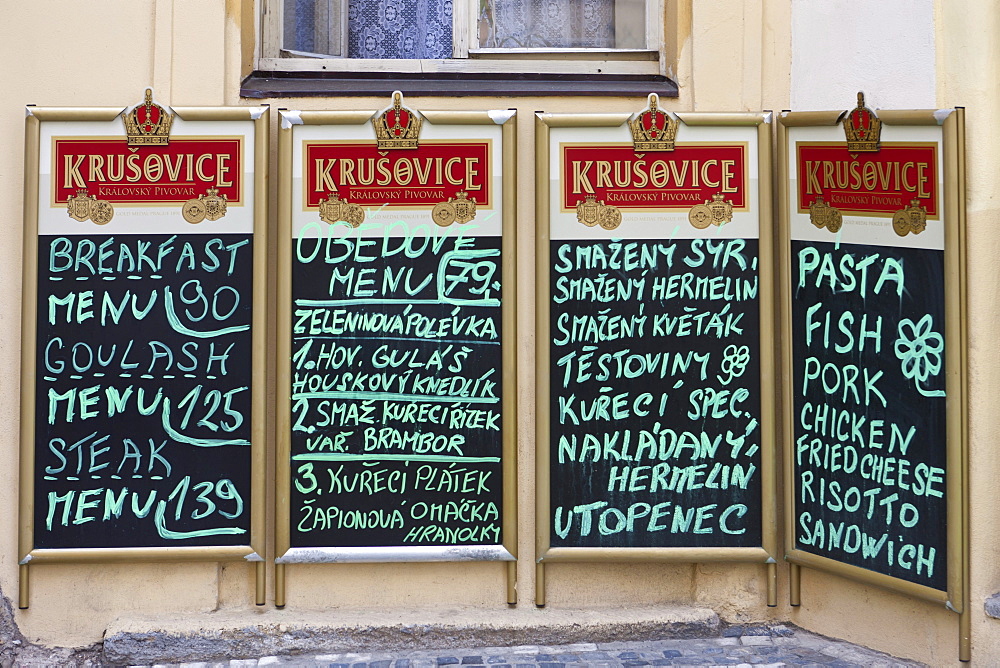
x: 873, y: 314
x: 396, y: 336
x: 142, y: 356
x: 654, y: 405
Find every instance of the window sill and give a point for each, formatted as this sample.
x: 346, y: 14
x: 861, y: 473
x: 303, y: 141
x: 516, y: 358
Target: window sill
x: 382, y: 84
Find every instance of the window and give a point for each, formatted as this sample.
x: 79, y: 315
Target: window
x: 428, y: 37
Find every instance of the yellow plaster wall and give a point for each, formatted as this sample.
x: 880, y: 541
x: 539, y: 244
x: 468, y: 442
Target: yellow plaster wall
x: 969, y: 66
x: 732, y: 55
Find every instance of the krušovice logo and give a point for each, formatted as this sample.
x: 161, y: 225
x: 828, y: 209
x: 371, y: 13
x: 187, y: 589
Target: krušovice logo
x: 345, y: 176
x: 865, y: 177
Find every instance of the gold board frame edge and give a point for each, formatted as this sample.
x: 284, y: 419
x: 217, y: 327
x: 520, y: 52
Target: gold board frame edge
x: 75, y: 113
x: 542, y: 487
x: 785, y: 353
x: 509, y: 333
x: 952, y: 142
x: 258, y: 517
x: 283, y: 384
x: 29, y: 301
x: 770, y: 522
x: 253, y: 550
x: 288, y: 120
x: 956, y: 362
x: 790, y: 119
x: 737, y: 118
x: 544, y: 553
x: 756, y: 555
x: 136, y: 554
x: 965, y: 619
x: 865, y: 576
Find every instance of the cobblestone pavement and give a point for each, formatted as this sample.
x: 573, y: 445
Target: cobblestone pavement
x: 766, y: 647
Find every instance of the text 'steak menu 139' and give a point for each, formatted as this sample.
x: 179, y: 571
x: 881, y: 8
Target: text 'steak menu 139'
x: 396, y: 368
x: 655, y: 428
x: 874, y: 347
x: 142, y: 369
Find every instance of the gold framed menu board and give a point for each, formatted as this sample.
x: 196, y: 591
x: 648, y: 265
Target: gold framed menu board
x: 873, y: 273
x: 396, y: 338
x: 143, y: 340
x: 655, y: 383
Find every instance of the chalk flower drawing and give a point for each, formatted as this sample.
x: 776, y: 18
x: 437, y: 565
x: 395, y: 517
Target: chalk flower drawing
x: 918, y: 349
x: 734, y: 362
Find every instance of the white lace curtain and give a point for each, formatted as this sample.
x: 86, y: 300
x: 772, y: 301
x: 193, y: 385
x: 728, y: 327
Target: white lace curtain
x: 576, y: 24
x: 399, y: 28
x: 423, y: 28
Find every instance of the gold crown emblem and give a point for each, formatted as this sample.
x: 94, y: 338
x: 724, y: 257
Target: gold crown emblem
x: 652, y: 129
x: 148, y: 124
x: 397, y: 127
x: 862, y: 128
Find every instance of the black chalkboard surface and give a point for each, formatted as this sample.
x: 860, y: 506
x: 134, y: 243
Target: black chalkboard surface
x: 142, y: 390
x: 869, y: 407
x: 396, y: 395
x: 654, y: 374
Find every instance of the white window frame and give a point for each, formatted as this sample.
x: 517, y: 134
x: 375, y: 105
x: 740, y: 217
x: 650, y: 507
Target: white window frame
x: 467, y: 56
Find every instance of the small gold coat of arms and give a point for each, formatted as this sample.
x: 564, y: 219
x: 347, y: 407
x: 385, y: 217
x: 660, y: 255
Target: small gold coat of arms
x: 912, y: 218
x: 458, y: 209
x: 210, y: 205
x: 823, y: 215
x: 591, y: 212
x: 718, y: 212
x: 335, y: 210
x: 83, y: 207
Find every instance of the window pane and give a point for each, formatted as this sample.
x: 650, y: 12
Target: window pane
x: 580, y: 24
x: 399, y: 28
x: 313, y: 26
